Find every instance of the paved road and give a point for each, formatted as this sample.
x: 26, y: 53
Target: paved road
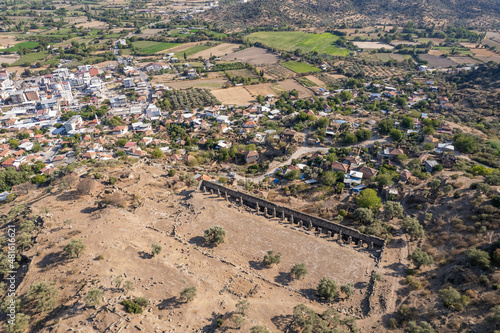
x: 273, y: 166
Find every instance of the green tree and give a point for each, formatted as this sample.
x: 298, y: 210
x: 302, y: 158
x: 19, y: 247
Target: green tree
x: 215, y: 235
x: 413, y: 227
x: 478, y: 257
x: 329, y: 178
x: 20, y: 325
x: 74, y: 248
x: 395, y: 134
x: 93, y: 297
x: 298, y: 271
x: 385, y: 126
x: 156, y: 153
x: 368, y: 198
x: 44, y: 294
x: 364, y: 215
x: 420, y: 258
x: 327, y: 288
x: 155, y: 249
x: 272, y: 258
x: 393, y: 209
x: 465, y: 143
x: 188, y: 294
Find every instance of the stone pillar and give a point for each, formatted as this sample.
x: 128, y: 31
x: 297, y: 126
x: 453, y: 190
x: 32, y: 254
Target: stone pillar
x: 274, y: 212
x: 241, y: 201
x: 291, y: 219
x: 329, y: 234
x: 204, y: 189
x: 319, y: 231
x: 282, y: 215
x: 265, y: 211
x: 300, y: 223
x: 225, y: 194
x: 311, y: 226
x: 339, y: 240
x: 371, y: 245
x: 257, y: 208
x: 349, y: 240
x: 218, y: 193
x: 211, y: 191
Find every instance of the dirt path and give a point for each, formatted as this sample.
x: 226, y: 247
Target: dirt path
x: 273, y: 166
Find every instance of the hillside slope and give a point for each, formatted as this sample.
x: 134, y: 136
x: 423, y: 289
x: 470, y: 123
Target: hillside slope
x: 326, y: 12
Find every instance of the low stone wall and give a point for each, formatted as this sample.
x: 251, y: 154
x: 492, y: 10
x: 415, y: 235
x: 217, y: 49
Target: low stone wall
x: 270, y: 209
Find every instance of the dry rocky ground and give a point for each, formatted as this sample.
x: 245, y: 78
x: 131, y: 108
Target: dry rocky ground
x: 118, y: 242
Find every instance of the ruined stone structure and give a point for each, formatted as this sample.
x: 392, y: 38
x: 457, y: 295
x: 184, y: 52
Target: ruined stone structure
x: 344, y: 234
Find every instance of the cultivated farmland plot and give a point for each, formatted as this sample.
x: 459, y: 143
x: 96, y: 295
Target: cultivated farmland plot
x: 254, y: 56
x: 292, y: 40
x: 435, y: 61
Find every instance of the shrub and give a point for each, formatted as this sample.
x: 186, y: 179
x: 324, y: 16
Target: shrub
x: 74, y: 248
x: 452, y: 298
x: 142, y: 301
x: 215, y: 235
x: 86, y: 186
x: 420, y: 258
x: 93, y: 297
x: 131, y: 306
x: 478, y: 257
x: 347, y: 289
x: 272, y: 258
x: 298, y: 271
x: 155, y: 249
x: 327, y: 288
x: 44, y: 294
x: 242, y: 307
x: 188, y: 294
x: 259, y: 329
x: 112, y: 180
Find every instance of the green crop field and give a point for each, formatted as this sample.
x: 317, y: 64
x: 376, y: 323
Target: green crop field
x: 300, y: 67
x: 292, y: 40
x: 25, y: 45
x: 31, y: 58
x: 306, y: 82
x: 192, y: 50
x: 153, y: 47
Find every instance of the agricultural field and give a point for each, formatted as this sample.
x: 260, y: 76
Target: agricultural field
x: 277, y: 72
x: 291, y: 84
x: 254, y: 56
x: 23, y: 45
x: 234, y: 96
x: 31, y: 58
x: 392, y: 56
x: 218, y: 51
x: 435, y: 61
x: 306, y: 82
x: 292, y: 40
x: 263, y: 89
x: 192, y: 50
x: 373, y: 45
x: 153, y: 47
x: 210, y: 84
x: 300, y: 67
